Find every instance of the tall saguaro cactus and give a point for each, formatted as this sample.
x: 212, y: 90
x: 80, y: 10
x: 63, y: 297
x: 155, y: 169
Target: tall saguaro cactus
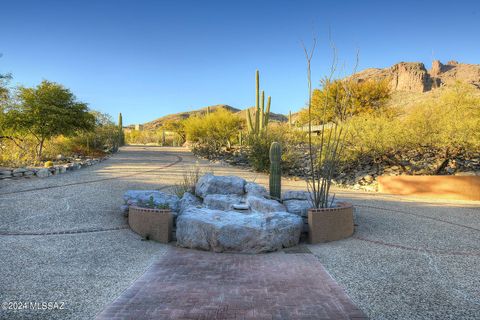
x: 121, y: 136
x: 275, y: 182
x: 258, y: 124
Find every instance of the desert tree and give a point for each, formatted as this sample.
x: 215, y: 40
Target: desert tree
x: 48, y: 110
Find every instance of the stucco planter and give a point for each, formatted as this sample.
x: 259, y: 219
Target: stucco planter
x: 330, y: 224
x: 154, y: 224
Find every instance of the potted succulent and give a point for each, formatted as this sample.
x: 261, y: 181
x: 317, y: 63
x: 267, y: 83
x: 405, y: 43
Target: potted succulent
x: 328, y: 220
x: 152, y: 221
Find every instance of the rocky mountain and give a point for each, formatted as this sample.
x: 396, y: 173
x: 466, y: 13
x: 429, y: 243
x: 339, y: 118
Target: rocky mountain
x: 184, y: 115
x: 414, y: 77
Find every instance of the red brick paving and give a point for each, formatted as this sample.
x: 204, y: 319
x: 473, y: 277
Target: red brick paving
x: 190, y: 284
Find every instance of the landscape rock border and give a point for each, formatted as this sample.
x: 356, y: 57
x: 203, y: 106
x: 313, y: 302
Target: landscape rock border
x: 10, y: 174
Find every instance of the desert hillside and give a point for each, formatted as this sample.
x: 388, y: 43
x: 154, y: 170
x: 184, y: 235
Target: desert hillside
x: 414, y: 77
x: 410, y: 83
x: 184, y: 115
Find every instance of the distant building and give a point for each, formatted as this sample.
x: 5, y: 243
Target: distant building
x: 138, y: 127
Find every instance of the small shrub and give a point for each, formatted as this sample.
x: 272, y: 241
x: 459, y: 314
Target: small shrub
x: 213, y: 131
x: 259, y: 147
x: 190, y: 179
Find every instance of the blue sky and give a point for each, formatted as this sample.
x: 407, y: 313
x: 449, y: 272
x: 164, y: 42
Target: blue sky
x: 151, y: 58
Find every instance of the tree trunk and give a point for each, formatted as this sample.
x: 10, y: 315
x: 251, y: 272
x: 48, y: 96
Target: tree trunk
x: 444, y: 162
x: 40, y: 149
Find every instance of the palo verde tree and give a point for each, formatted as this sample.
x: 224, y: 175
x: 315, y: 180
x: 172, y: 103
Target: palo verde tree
x: 49, y: 110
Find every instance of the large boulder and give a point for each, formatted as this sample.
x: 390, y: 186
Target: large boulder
x: 264, y: 205
x: 254, y: 189
x: 188, y: 199
x: 298, y: 207
x: 210, y: 184
x: 232, y: 231
x: 221, y: 201
x: 296, y: 195
x: 143, y: 197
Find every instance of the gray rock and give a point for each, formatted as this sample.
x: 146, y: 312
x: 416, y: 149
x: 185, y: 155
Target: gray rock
x: 43, y: 173
x: 254, y: 189
x: 210, y: 184
x: 19, y: 172
x: 296, y: 195
x: 187, y: 200
x: 232, y: 231
x: 124, y: 209
x: 264, y: 205
x: 221, y: 201
x: 29, y: 172
x: 298, y: 207
x: 5, y: 173
x: 141, y: 197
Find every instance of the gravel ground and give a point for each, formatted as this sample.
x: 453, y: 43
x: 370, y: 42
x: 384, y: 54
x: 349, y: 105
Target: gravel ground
x: 409, y: 259
x: 418, y: 267
x: 86, y: 271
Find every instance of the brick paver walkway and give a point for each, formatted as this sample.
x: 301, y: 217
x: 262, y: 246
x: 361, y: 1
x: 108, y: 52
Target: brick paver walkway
x: 190, y: 284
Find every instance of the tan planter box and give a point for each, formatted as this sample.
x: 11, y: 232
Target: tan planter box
x: 330, y: 224
x: 440, y: 187
x: 156, y: 224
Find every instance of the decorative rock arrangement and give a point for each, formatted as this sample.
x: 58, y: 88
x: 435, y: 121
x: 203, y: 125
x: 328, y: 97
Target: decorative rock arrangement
x: 46, y: 172
x: 298, y: 202
x: 227, y: 214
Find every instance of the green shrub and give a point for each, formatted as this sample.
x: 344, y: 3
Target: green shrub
x: 213, y: 131
x: 259, y: 147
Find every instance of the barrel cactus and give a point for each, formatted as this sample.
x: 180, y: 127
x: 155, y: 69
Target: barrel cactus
x: 275, y: 170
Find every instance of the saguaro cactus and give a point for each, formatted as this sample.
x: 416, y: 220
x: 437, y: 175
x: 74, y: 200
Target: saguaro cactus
x: 121, y: 136
x: 275, y: 170
x: 259, y: 124
x: 163, y: 138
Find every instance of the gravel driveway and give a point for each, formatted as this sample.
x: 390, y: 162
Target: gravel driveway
x: 407, y: 260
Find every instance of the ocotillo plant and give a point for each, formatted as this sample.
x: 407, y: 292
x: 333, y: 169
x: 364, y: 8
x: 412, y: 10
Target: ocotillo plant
x: 275, y: 182
x: 262, y: 115
x: 121, y: 136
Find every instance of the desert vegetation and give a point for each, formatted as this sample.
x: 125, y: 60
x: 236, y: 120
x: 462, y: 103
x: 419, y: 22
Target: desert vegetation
x: 38, y: 124
x: 379, y: 130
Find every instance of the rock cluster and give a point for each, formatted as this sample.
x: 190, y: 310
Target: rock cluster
x: 235, y: 216
x: 228, y: 214
x: 72, y: 164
